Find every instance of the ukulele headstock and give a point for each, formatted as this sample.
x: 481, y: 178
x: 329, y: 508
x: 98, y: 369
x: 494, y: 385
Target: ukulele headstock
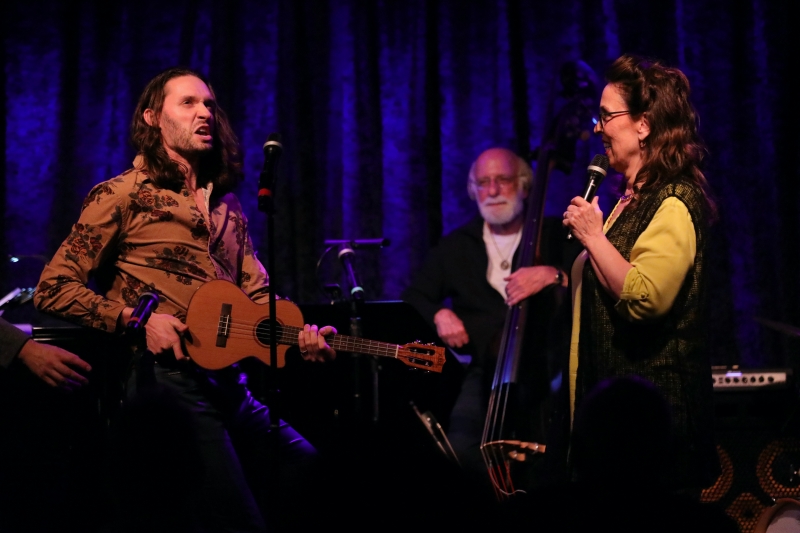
x: 423, y: 356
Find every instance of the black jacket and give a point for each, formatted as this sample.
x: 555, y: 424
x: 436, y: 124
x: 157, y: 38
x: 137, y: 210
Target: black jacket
x: 455, y: 271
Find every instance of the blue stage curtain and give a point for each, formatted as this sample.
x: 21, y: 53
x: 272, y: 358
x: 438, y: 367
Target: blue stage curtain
x: 382, y: 107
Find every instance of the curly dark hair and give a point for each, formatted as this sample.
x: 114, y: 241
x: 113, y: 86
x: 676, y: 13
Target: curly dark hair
x: 673, y: 149
x: 222, y: 165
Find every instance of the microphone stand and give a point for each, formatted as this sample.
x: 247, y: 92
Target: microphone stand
x: 346, y: 254
x: 266, y: 204
x: 269, y: 390
x: 356, y: 298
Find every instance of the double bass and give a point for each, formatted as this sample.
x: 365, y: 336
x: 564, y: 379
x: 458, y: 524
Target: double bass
x: 517, y: 422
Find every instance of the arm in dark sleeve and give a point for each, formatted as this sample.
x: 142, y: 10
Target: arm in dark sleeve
x: 429, y: 286
x: 12, y: 340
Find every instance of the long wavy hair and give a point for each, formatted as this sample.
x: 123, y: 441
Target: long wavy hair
x: 674, y: 149
x: 222, y: 165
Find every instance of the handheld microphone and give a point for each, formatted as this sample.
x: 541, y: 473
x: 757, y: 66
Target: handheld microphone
x: 346, y: 257
x: 266, y: 182
x: 596, y: 171
x: 148, y: 302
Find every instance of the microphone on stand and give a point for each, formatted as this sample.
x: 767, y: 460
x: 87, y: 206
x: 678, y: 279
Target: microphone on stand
x: 596, y: 171
x: 346, y: 257
x: 148, y: 302
x: 266, y: 181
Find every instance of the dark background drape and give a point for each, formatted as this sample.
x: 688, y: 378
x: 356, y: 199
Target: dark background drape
x: 382, y: 107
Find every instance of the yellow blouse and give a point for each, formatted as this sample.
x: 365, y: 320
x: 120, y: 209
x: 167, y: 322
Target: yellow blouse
x: 661, y: 258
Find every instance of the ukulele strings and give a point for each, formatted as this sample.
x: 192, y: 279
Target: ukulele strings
x: 288, y: 335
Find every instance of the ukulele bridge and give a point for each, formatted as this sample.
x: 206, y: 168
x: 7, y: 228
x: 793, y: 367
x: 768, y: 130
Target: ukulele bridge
x: 224, y: 326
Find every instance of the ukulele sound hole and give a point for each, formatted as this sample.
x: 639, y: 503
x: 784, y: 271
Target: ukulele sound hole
x: 262, y: 331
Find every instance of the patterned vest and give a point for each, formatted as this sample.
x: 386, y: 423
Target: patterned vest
x: 668, y: 351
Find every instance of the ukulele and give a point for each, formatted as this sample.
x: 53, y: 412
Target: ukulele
x: 225, y: 326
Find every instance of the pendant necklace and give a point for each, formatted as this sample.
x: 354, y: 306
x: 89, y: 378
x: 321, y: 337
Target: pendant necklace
x: 504, y: 264
x: 626, y: 197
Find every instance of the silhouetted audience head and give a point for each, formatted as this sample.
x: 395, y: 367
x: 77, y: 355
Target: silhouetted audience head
x: 154, y: 466
x: 622, y: 434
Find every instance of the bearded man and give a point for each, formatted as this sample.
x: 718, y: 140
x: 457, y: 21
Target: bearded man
x: 471, y: 268
x: 170, y: 224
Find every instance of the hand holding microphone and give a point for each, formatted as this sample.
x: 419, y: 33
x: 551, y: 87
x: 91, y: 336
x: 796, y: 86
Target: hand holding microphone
x: 162, y: 331
x: 147, y: 303
x: 596, y: 171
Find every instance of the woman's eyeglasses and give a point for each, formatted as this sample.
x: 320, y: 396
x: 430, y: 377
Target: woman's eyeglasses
x: 605, y: 116
x: 505, y: 183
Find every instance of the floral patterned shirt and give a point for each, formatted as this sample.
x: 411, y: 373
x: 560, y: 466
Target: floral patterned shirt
x: 132, y: 236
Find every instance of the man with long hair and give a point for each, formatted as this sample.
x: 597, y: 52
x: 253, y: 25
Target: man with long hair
x: 168, y: 225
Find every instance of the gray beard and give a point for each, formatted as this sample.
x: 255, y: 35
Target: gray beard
x: 507, y: 213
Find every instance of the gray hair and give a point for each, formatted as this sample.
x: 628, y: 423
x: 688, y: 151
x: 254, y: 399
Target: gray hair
x: 524, y: 175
